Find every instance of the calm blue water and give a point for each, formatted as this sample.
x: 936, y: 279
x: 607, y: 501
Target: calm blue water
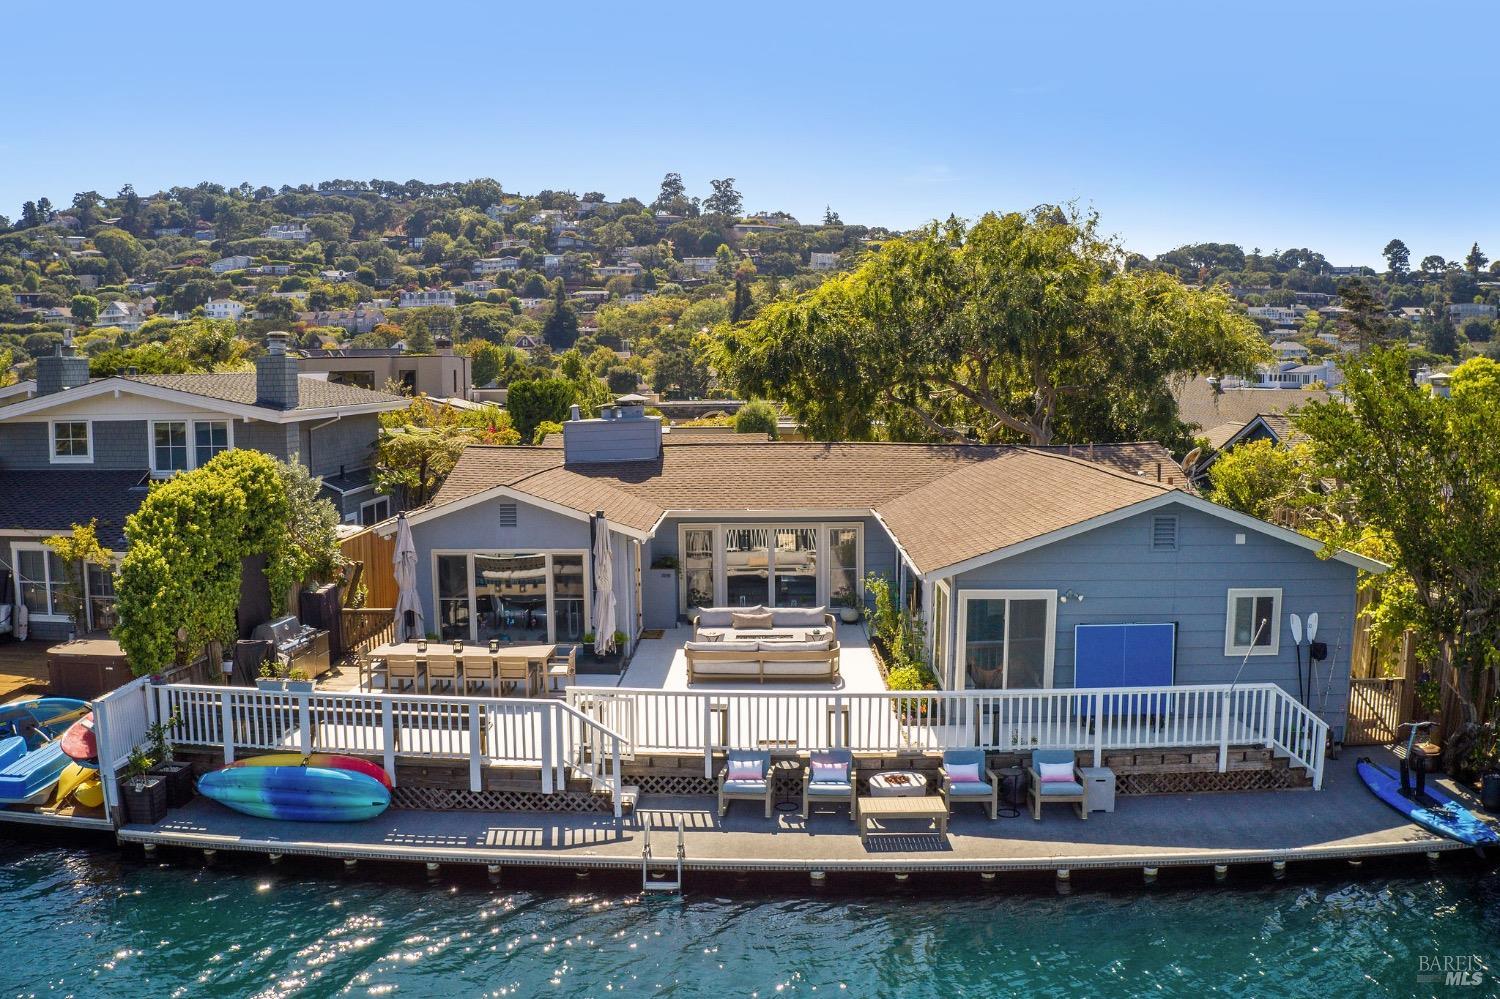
x: 89, y: 922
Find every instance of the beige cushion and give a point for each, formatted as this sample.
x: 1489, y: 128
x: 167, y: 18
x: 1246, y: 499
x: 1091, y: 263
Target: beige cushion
x: 713, y: 667
x: 717, y: 617
x: 748, y: 619
x: 798, y: 617
x: 741, y: 646
x: 772, y: 647
x: 812, y: 667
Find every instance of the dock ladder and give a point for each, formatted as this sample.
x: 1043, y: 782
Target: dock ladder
x: 657, y: 880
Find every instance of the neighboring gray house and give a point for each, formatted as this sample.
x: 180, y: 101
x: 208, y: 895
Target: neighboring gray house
x: 1002, y: 551
x: 79, y: 449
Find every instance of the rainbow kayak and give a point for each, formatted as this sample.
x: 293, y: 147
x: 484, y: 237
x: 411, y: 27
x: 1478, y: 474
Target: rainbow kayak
x: 296, y: 793
x: 333, y: 761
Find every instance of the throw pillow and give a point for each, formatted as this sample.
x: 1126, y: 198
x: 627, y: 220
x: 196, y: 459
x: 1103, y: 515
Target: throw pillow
x: 753, y: 620
x: 963, y: 773
x: 1056, y: 773
x: 744, y: 770
x: 830, y: 773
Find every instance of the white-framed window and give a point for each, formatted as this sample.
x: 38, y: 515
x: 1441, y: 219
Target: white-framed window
x: 209, y: 438
x: 1251, y: 622
x: 180, y: 445
x: 39, y: 580
x: 1006, y: 639
x: 169, y: 446
x: 373, y: 511
x: 72, y: 441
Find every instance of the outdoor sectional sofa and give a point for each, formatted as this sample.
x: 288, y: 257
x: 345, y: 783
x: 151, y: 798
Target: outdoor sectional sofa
x: 763, y: 643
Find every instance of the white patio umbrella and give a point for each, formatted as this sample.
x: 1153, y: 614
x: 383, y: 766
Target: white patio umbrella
x: 404, y: 564
x: 604, y: 589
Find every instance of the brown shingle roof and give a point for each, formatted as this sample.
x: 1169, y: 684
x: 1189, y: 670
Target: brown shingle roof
x: 239, y: 387
x: 1199, y: 405
x: 951, y: 501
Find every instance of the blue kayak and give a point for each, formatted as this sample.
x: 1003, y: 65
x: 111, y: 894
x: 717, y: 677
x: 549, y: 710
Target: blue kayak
x: 299, y: 794
x: 27, y: 775
x: 1432, y: 809
x: 39, y: 720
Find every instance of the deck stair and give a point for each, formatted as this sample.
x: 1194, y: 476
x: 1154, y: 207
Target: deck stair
x: 654, y: 877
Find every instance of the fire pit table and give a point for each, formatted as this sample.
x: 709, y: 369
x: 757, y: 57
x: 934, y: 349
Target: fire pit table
x: 898, y: 784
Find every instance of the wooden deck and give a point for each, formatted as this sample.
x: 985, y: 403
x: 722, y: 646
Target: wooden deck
x: 1342, y: 821
x: 23, y: 668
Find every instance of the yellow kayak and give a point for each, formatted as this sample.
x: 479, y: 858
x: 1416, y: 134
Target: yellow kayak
x: 82, y: 785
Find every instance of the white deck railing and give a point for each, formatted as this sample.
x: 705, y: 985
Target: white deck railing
x: 550, y: 736
x: 121, y: 720
x: 705, y: 722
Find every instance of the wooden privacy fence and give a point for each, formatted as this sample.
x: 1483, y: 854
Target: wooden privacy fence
x: 374, y: 554
x: 367, y: 627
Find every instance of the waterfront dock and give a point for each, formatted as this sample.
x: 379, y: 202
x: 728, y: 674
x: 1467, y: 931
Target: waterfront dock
x: 1343, y: 821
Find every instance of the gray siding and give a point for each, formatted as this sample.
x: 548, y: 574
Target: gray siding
x: 270, y: 438
x: 347, y: 443
x: 1124, y: 581
x: 477, y: 529
x: 117, y: 444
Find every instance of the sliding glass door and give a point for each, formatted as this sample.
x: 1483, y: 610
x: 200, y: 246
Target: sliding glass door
x: 747, y: 564
x: 1006, y: 639
x: 698, y: 567
x: 796, y: 567
x: 513, y: 597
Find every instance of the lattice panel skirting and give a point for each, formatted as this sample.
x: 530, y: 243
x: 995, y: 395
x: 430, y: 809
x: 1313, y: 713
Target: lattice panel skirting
x: 1198, y: 782
x: 678, y: 784
x: 439, y: 799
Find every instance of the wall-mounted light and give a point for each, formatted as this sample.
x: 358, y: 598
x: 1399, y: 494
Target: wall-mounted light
x: 1070, y: 594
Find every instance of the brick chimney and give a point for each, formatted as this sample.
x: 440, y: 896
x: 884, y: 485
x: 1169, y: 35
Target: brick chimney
x: 276, y: 374
x: 63, y: 370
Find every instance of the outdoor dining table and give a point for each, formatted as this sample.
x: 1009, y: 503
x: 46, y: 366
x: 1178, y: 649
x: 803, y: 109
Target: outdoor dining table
x: 536, y: 655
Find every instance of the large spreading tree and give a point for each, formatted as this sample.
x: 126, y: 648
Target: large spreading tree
x: 1420, y: 477
x: 1019, y: 328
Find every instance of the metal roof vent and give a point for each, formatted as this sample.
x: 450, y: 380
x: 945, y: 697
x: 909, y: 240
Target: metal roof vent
x: 1164, y: 534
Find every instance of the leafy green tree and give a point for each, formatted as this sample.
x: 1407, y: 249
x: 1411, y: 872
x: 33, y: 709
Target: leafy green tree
x: 544, y: 430
x: 76, y: 550
x: 1475, y: 259
x: 1397, y: 259
x: 672, y: 191
x: 1441, y: 335
x: 1017, y: 328
x: 488, y: 361
x: 121, y: 247
x: 419, y: 445
x: 538, y: 400
x: 757, y: 417
x: 1423, y: 472
x: 85, y: 308
x: 1364, y: 313
x: 725, y: 200
x: 560, y: 330
x: 1432, y: 265
x: 621, y: 379
x: 1266, y: 480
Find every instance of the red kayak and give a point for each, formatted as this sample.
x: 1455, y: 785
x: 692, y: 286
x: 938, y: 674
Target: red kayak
x: 78, y: 742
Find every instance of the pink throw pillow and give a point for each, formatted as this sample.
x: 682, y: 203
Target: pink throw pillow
x: 744, y: 770
x: 964, y: 773
x: 1056, y: 773
x: 829, y: 773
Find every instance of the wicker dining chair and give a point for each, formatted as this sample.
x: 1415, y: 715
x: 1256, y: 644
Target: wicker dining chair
x: 401, y: 670
x: 447, y: 668
x: 481, y: 670
x: 563, y: 666
x: 513, y: 670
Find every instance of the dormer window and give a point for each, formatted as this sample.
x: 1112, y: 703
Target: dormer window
x: 72, y: 441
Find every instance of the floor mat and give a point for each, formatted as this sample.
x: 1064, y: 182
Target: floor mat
x: 653, y: 633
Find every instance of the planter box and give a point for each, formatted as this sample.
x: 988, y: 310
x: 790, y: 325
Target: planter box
x: 179, y: 778
x: 280, y: 686
x: 145, y: 799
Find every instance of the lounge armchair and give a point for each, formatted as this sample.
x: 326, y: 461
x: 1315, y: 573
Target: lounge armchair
x: 830, y: 778
x: 982, y: 789
x: 1043, y: 791
x: 736, y: 784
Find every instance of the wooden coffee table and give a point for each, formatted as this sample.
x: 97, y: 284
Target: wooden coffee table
x: 931, y: 807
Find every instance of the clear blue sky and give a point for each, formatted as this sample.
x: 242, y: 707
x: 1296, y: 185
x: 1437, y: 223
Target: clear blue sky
x: 1329, y: 125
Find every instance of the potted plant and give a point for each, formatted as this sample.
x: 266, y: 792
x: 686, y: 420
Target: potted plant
x: 278, y: 675
x: 849, y: 607
x: 143, y: 794
x: 177, y: 773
